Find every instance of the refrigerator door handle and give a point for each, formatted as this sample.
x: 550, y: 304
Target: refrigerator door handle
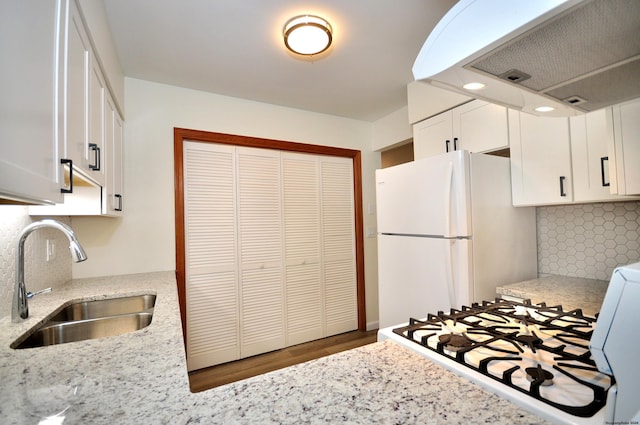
x: 449, y: 266
x: 447, y: 201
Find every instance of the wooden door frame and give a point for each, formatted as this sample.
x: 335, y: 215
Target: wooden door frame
x: 182, y: 134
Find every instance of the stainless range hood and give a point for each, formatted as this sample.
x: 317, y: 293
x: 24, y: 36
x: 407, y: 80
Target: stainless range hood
x: 574, y: 55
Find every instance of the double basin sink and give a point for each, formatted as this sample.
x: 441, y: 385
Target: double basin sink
x: 82, y: 320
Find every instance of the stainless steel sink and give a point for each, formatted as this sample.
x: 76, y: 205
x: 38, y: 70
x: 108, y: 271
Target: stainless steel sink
x: 84, y: 310
x: 84, y: 320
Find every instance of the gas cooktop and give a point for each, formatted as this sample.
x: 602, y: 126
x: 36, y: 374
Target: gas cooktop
x: 536, y: 355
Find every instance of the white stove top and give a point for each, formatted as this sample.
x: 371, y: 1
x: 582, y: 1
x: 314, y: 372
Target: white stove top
x: 501, y: 341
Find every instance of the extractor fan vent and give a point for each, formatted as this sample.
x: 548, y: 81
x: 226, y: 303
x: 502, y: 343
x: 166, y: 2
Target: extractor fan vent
x: 587, y: 57
x: 515, y: 76
x: 574, y: 100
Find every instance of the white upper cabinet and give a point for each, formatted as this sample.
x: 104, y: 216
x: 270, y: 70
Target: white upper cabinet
x: 624, y: 152
x: 90, y: 128
x: 480, y: 126
x: 540, y: 160
x: 29, y: 140
x: 433, y: 136
x: 591, y: 135
x: 84, y: 107
x: 97, y: 123
x: 114, y: 187
x: 476, y: 126
x: 76, y: 90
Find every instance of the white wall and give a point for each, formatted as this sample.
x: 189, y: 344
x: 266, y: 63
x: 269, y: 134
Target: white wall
x: 143, y: 240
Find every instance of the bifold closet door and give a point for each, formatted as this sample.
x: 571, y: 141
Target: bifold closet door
x: 262, y: 294
x: 303, y: 248
x: 269, y: 250
x: 338, y: 244
x: 211, y: 270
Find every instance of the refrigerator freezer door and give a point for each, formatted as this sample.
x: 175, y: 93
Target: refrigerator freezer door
x: 425, y: 197
x: 414, y: 276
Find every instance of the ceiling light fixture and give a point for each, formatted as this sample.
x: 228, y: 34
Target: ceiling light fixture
x: 307, y: 35
x: 473, y: 86
x: 544, y: 109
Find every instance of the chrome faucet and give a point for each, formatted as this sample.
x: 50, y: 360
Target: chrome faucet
x: 20, y: 307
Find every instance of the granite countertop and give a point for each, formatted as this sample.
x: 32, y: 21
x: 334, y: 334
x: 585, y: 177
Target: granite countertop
x: 141, y: 378
x: 570, y: 292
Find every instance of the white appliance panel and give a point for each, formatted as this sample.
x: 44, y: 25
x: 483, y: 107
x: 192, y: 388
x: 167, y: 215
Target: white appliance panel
x: 426, y: 197
x: 615, y: 344
x: 416, y: 276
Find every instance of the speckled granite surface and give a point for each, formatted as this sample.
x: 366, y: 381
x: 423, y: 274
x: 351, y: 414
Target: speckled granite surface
x: 141, y: 378
x: 570, y: 292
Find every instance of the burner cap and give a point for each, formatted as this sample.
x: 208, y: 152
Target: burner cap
x: 538, y: 373
x: 530, y: 341
x: 455, y: 342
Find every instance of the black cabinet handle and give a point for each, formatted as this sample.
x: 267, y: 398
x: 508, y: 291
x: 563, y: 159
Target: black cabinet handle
x: 562, y: 192
x: 455, y: 143
x: 96, y: 163
x: 69, y: 162
x: 119, y: 198
x: 446, y: 145
x: 602, y: 160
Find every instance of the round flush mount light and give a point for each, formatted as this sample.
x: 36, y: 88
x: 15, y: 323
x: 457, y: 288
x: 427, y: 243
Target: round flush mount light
x: 307, y: 35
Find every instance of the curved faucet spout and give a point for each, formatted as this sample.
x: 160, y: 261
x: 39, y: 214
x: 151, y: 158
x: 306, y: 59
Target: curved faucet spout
x: 20, y: 307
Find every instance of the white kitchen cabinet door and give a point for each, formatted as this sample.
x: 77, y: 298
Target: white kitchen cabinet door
x: 113, y: 203
x: 480, y: 126
x: 540, y: 160
x: 591, y: 135
x: 262, y: 292
x: 29, y: 133
x: 476, y: 126
x: 96, y: 148
x: 76, y: 89
x: 433, y: 136
x: 302, y: 244
x: 624, y: 153
x: 211, y: 268
x: 338, y: 244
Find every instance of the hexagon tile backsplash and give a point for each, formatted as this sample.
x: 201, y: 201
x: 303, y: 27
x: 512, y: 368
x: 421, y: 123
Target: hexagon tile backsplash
x: 39, y: 273
x: 588, y: 240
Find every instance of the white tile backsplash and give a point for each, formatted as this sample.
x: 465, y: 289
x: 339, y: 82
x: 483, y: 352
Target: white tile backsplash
x: 39, y: 273
x: 588, y: 240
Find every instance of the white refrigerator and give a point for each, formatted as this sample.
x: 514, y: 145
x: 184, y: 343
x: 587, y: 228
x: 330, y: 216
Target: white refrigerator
x: 448, y: 234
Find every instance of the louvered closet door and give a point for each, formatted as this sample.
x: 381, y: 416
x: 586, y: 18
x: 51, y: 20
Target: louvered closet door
x: 303, y: 272
x: 338, y: 237
x: 260, y: 251
x: 211, y: 257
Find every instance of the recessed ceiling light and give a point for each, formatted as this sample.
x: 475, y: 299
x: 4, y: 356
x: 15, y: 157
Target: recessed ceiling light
x: 544, y: 109
x: 473, y: 86
x: 307, y: 35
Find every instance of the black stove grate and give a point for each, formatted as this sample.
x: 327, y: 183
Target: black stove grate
x: 573, y: 328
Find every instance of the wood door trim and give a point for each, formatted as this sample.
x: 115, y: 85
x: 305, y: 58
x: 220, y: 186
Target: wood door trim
x: 182, y: 134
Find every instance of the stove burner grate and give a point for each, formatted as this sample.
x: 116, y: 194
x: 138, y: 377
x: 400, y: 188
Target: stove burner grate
x: 488, y: 323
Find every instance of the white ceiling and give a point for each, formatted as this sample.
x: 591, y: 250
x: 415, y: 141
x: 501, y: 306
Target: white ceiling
x: 235, y: 48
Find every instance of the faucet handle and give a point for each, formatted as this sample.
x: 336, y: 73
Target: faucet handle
x: 42, y: 291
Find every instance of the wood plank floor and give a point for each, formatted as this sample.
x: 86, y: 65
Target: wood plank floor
x: 211, y: 377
